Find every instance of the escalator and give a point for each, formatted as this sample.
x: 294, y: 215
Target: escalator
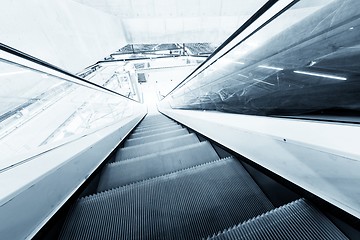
x: 168, y: 183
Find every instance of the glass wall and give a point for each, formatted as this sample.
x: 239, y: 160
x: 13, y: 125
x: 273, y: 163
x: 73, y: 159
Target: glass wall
x: 119, y: 77
x: 305, y: 62
x: 37, y: 109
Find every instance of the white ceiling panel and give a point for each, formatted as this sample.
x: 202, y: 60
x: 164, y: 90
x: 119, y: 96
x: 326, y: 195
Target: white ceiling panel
x: 148, y: 21
x: 175, y: 8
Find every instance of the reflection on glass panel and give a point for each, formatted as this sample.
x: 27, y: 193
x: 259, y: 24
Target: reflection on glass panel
x: 305, y: 62
x: 37, y: 109
x: 118, y: 78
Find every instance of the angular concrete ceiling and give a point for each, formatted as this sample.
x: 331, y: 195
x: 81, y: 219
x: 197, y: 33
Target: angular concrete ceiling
x: 165, y: 21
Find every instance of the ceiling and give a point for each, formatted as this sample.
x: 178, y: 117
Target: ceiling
x: 163, y: 21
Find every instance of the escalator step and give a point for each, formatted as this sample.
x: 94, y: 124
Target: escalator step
x: 156, y: 137
x: 146, y: 123
x: 154, y: 131
x: 156, y: 146
x: 296, y: 220
x: 143, y: 125
x: 188, y: 204
x: 155, y: 117
x: 154, y: 127
x: 153, y: 165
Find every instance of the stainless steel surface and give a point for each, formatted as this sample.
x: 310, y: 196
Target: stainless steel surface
x: 152, y: 165
x: 297, y: 220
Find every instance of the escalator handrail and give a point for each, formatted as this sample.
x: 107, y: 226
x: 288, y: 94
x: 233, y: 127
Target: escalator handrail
x: 249, y: 22
x: 40, y: 62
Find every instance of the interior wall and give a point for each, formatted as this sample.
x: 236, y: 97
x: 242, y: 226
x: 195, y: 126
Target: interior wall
x: 185, y: 21
x: 182, y: 29
x: 62, y: 32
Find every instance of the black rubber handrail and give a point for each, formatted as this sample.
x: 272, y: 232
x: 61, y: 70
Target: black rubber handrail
x: 26, y: 56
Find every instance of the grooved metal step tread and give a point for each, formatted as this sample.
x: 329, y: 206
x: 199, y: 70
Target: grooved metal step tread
x: 138, y: 130
x: 153, y: 165
x: 155, y: 117
x: 296, y: 220
x: 156, y: 146
x: 188, y: 204
x: 156, y: 137
x: 145, y: 123
x: 154, y: 131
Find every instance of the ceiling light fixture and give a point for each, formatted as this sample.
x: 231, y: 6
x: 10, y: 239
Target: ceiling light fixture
x: 321, y: 75
x: 270, y: 67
